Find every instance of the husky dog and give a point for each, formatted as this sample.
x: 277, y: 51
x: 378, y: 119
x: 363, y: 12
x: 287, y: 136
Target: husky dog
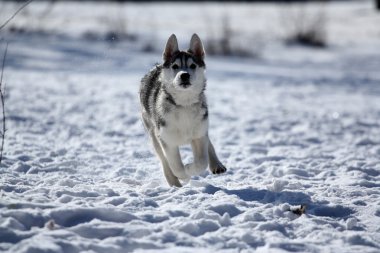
x: 174, y: 111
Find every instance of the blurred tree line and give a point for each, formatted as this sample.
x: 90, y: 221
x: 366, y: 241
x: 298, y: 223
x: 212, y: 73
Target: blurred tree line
x: 377, y: 2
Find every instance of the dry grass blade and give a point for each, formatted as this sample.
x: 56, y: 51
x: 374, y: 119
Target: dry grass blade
x: 2, y: 97
x: 14, y: 14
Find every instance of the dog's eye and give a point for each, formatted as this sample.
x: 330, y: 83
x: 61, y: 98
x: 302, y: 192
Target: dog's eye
x: 175, y: 66
x: 193, y: 66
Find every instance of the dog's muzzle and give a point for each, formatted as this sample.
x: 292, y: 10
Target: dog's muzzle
x: 185, y: 80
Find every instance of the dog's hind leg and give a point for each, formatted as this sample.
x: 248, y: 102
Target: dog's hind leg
x: 170, y: 177
x: 216, y: 166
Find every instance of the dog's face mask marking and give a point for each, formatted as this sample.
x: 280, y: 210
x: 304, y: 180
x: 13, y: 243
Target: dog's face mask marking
x: 184, y: 71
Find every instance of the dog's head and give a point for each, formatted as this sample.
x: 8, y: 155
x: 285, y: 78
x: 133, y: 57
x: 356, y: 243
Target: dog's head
x: 184, y: 71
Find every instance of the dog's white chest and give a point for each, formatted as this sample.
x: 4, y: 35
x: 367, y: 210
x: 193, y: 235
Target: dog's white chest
x: 184, y: 124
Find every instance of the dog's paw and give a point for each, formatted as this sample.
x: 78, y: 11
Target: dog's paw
x: 184, y: 181
x: 193, y: 169
x: 219, y: 169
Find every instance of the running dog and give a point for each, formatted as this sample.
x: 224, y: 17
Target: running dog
x: 174, y: 111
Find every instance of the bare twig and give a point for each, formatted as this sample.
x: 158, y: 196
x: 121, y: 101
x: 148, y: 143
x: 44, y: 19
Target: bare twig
x: 2, y: 86
x: 3, y: 65
x: 2, y: 97
x: 14, y: 14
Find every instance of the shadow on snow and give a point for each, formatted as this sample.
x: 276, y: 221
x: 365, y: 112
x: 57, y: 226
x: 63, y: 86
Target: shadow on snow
x: 324, y: 209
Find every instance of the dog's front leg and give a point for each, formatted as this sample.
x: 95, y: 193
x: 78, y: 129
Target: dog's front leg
x: 170, y: 177
x: 200, y: 153
x: 174, y: 159
x: 216, y: 166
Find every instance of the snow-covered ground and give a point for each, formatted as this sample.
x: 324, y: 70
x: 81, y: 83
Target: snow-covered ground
x: 294, y: 126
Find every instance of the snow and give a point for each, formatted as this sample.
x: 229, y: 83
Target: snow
x: 296, y: 126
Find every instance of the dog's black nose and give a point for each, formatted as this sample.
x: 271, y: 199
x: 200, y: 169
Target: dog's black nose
x: 185, y: 77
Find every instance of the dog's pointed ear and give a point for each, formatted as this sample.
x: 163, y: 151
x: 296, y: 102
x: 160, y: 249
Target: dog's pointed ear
x: 171, y: 48
x: 196, y: 47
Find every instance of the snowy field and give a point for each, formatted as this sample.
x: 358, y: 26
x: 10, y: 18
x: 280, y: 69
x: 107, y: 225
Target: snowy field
x: 294, y: 126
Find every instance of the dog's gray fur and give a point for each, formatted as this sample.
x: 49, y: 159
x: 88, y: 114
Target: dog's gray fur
x: 175, y: 112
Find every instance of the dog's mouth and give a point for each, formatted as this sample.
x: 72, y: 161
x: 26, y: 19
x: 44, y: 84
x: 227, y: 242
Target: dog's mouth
x: 185, y: 84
